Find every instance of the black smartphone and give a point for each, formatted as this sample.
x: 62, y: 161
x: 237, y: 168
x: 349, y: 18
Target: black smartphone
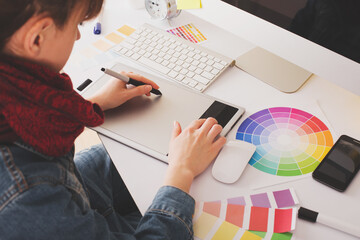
x: 340, y: 165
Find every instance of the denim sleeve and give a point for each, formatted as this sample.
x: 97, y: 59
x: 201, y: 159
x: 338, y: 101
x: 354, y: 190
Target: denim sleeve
x: 50, y: 212
x: 169, y: 216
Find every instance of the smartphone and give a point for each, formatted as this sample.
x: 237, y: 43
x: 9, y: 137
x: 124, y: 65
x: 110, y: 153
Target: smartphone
x: 340, y: 165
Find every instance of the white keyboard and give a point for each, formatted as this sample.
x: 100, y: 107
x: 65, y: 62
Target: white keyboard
x: 177, y: 58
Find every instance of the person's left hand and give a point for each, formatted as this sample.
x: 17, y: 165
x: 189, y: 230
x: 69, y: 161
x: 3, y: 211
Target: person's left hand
x: 115, y: 92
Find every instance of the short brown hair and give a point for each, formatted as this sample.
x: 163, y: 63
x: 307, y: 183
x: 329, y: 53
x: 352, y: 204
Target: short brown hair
x: 15, y: 13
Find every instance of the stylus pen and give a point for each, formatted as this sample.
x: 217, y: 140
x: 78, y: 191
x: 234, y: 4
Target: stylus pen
x: 332, y: 222
x: 128, y: 80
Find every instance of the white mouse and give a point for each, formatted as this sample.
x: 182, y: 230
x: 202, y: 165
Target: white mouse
x: 232, y: 160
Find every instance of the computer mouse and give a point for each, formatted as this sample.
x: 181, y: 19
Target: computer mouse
x: 232, y: 160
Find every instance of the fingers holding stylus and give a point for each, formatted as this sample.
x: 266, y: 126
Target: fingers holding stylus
x: 140, y: 78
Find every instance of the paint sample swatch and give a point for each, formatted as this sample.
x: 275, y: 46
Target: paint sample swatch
x: 289, y: 141
x: 188, y: 32
x: 258, y: 218
x: 207, y: 226
x: 258, y: 212
x: 272, y: 199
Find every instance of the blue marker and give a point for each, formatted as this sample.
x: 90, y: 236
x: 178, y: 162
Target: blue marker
x: 97, y: 28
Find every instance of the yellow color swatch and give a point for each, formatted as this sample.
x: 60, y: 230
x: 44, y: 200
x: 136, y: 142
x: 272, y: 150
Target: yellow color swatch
x: 115, y: 38
x: 102, y: 45
x: 250, y: 236
x: 203, y: 225
x: 225, y: 231
x: 126, y: 30
x: 188, y: 4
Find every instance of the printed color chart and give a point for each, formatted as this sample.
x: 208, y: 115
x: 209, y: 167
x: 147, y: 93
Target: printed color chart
x: 289, y: 141
x: 250, y: 217
x: 188, y: 32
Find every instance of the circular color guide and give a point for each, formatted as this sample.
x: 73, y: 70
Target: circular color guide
x: 289, y: 141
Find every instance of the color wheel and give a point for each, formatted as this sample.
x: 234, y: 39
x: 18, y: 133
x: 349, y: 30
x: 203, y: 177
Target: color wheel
x: 289, y: 141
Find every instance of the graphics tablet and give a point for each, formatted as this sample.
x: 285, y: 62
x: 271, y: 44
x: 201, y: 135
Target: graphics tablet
x: 146, y: 123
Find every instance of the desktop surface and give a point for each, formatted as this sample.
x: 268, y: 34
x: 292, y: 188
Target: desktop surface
x: 143, y: 175
x: 332, y: 24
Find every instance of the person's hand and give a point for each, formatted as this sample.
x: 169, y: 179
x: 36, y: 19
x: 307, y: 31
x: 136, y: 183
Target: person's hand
x: 191, y: 151
x: 115, y: 92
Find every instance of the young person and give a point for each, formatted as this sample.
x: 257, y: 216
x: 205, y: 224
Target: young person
x: 46, y: 192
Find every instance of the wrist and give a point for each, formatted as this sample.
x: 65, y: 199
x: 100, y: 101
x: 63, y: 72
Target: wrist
x: 179, y: 177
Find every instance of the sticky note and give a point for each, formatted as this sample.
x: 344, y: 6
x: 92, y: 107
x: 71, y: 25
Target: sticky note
x: 203, y: 225
x: 225, y: 231
x: 188, y: 4
x: 88, y: 52
x: 126, y: 30
x: 102, y: 45
x: 115, y: 38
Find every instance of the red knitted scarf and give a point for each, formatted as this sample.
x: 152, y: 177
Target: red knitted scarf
x: 41, y: 108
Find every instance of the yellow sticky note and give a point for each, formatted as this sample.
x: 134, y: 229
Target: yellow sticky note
x: 115, y: 38
x: 88, y: 52
x: 203, y: 225
x: 225, y: 231
x: 126, y: 30
x: 188, y: 4
x: 250, y: 236
x: 102, y: 45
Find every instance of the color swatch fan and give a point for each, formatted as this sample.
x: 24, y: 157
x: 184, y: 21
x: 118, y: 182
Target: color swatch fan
x: 289, y: 141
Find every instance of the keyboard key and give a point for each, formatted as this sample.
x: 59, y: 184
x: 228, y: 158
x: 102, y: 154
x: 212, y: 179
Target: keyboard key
x: 179, y: 77
x: 218, y: 66
x: 201, y: 79
x: 154, y: 65
x: 190, y: 74
x: 198, y: 71
x: 172, y: 74
x: 184, y: 71
x: 207, y: 75
x: 208, y: 68
x: 199, y: 87
x: 177, y: 68
x: 135, y: 56
x: 192, y: 83
x: 215, y: 71
x: 202, y: 65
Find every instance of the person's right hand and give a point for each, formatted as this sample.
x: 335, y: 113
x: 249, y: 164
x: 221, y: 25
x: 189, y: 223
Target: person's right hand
x: 192, y: 150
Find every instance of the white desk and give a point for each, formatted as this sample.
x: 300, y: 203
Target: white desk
x: 143, y: 175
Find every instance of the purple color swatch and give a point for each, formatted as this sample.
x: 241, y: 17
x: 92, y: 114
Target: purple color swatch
x: 284, y: 198
x: 260, y: 200
x: 237, y: 201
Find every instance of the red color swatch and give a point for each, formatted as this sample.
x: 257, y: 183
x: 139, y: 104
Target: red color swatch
x: 259, y: 219
x: 235, y: 214
x: 212, y: 208
x: 283, y: 218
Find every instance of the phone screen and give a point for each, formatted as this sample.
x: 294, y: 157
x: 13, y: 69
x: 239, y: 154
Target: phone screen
x: 340, y: 165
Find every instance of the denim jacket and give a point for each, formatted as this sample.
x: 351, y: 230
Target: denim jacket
x: 43, y: 197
